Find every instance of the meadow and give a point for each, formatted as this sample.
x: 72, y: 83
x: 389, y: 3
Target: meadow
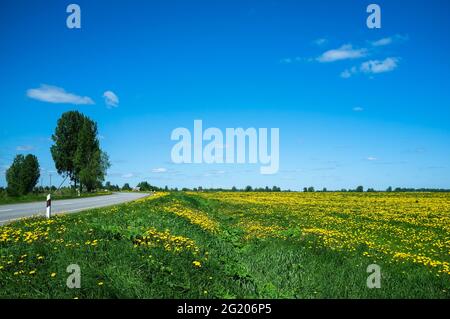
x: 236, y: 245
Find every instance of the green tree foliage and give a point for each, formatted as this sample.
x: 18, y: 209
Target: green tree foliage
x: 146, y: 187
x: 110, y: 187
x: 23, y: 175
x: 66, y: 143
x: 90, y: 162
x: 359, y: 189
x: 126, y: 187
x: 77, y: 152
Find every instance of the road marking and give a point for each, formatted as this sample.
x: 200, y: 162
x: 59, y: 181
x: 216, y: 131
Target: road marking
x: 56, y: 203
x: 99, y: 199
x: 5, y: 210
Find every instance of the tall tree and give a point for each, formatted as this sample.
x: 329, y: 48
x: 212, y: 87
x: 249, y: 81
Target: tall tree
x: 87, y: 155
x: 66, y: 143
x: 31, y: 172
x: 77, y: 152
x: 23, y: 175
x: 13, y: 176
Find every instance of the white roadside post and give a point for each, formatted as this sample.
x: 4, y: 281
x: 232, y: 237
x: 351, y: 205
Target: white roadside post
x: 49, y: 206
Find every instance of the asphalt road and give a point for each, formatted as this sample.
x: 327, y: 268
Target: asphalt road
x: 12, y: 212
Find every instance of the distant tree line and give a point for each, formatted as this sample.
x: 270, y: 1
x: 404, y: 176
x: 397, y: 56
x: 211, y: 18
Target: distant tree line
x: 427, y: 190
x: 146, y: 187
x: 30, y: 168
x: 142, y: 186
x: 234, y: 189
x: 360, y: 189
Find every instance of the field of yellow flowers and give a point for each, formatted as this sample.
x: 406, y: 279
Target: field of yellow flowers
x: 236, y: 245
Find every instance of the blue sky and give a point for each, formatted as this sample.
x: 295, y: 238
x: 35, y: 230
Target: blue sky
x: 355, y: 106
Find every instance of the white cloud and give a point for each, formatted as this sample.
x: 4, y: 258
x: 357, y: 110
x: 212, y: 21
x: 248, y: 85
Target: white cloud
x: 214, y: 173
x: 377, y: 66
x: 346, y: 74
x: 111, y: 99
x: 345, y: 52
x: 53, y: 94
x: 372, y: 67
x: 294, y: 60
x: 321, y: 41
x: 129, y: 175
x: 371, y: 158
x: 382, y: 42
x: 349, y: 72
x: 286, y: 60
x: 22, y: 148
x: 389, y: 40
x: 159, y: 170
x: 358, y: 109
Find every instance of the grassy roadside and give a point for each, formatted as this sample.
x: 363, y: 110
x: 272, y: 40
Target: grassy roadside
x: 182, y: 245
x: 5, y: 199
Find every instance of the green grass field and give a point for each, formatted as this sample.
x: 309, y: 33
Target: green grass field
x: 235, y: 245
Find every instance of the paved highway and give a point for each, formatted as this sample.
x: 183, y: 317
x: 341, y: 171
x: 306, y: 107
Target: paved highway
x: 12, y: 212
